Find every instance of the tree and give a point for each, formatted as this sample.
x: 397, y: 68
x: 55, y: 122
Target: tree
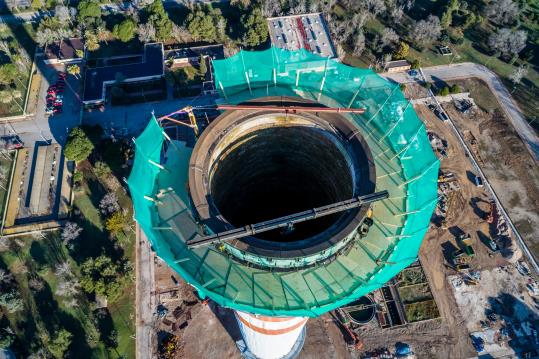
x: 444, y: 91
x: 11, y: 301
x: 60, y: 343
x: 502, y: 12
x: 158, y: 17
x: 425, y: 32
x: 88, y: 10
x: 359, y: 43
x: 109, y: 203
x: 146, y: 32
x: 78, y: 146
x: 125, y: 31
x: 70, y: 232
x: 44, y: 37
x: 8, y: 74
x: 447, y: 16
x: 103, y: 277
x: 201, y: 26
x: 74, y: 70
x: 36, y: 4
x: 61, y: 13
x: 5, y: 276
x: 101, y: 169
x: 116, y: 223
x: 180, y: 34
x: 402, y: 51
x: 508, y: 42
x: 389, y: 37
x: 202, y: 69
x: 7, y: 337
x: 517, y: 75
x: 91, y: 42
x: 255, y: 28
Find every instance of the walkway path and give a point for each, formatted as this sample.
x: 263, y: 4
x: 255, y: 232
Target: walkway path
x: 145, y: 300
x: 467, y: 70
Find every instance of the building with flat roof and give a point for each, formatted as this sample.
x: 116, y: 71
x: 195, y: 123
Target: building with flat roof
x: 307, y: 31
x: 98, y: 78
x: 63, y: 52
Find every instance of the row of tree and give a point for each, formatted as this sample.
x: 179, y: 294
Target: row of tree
x: 149, y: 22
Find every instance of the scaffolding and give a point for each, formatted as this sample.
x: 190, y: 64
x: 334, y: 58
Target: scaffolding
x: 405, y: 165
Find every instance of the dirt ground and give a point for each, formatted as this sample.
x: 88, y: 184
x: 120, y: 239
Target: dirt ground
x: 508, y: 166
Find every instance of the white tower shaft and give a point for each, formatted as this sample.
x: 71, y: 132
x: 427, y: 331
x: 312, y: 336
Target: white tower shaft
x: 271, y: 337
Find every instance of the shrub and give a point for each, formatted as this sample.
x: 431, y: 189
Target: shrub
x: 415, y: 64
x: 444, y: 91
x: 455, y: 89
x: 101, y: 169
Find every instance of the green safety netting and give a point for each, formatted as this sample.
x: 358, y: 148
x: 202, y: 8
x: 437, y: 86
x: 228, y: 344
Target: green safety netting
x: 405, y: 166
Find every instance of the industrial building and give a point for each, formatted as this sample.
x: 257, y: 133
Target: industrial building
x: 306, y: 31
x: 314, y: 187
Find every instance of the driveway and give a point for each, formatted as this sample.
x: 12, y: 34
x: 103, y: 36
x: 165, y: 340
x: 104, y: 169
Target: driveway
x: 134, y: 118
x: 467, y: 70
x: 42, y: 127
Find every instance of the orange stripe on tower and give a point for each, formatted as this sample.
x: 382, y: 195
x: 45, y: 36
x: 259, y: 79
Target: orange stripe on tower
x: 271, y: 331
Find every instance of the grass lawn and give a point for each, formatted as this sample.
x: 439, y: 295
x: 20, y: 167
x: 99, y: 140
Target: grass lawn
x: 480, y: 92
x: 95, y: 237
x: 45, y: 311
x: 6, y: 166
x: 23, y: 36
x: 419, y: 311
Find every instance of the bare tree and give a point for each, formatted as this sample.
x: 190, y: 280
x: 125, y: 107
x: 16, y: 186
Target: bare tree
x: 517, y: 75
x: 397, y: 12
x: 4, y: 47
x: 508, y: 42
x: 36, y: 284
x: 146, y: 32
x: 271, y: 8
x: 61, y: 12
x: 63, y: 270
x: 389, y: 37
x: 359, y: 43
x: 5, y: 276
x: 70, y: 232
x: 181, y: 34
x: 44, y: 37
x: 109, y: 203
x: 502, y: 11
x: 374, y: 7
x: 67, y: 287
x: 425, y: 32
x: 4, y: 244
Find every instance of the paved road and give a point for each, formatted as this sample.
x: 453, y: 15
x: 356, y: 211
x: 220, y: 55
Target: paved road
x: 145, y: 287
x: 467, y: 70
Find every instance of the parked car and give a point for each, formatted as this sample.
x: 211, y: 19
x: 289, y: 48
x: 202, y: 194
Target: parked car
x: 11, y: 142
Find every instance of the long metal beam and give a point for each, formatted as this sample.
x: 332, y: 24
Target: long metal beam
x: 291, y: 109
x: 285, y: 221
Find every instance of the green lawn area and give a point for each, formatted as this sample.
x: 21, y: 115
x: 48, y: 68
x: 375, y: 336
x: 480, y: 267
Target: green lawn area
x: 22, y: 36
x: 6, y: 166
x: 46, y: 310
